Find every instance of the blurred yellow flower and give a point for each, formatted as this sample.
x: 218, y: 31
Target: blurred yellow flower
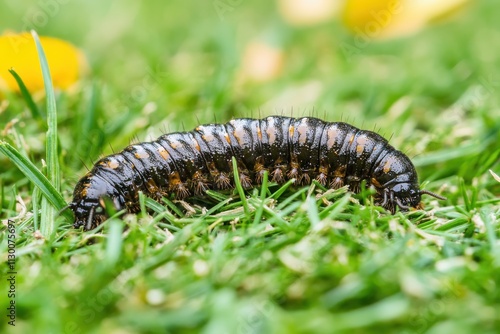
x: 261, y: 62
x: 18, y: 51
x: 392, y: 18
x: 374, y: 19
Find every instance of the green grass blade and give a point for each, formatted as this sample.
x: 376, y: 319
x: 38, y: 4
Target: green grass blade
x: 51, y: 144
x: 47, y: 222
x: 114, y: 241
x: 260, y: 208
x: 35, y: 176
x: 27, y: 96
x: 452, y: 153
x: 88, y: 134
x: 489, y: 223
x: 312, y: 212
x: 239, y: 187
x: 36, y: 200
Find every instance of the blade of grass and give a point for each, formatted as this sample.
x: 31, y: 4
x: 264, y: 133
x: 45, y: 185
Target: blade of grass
x: 216, y: 207
x: 463, y: 192
x: 260, y: 208
x: 172, y: 207
x: 282, y: 189
x: 142, y: 202
x: 114, y: 241
x: 337, y: 207
x: 490, y: 230
x: 495, y: 176
x: 47, y: 221
x: 87, y: 135
x: 35, y: 202
x: 239, y: 188
x: 35, y: 176
x: 2, y: 196
x: 312, y: 212
x: 452, y: 153
x: 27, y: 96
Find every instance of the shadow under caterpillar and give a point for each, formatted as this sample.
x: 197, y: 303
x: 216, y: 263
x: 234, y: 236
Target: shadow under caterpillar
x: 189, y: 163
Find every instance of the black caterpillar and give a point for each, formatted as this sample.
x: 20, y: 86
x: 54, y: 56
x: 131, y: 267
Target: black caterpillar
x: 189, y: 163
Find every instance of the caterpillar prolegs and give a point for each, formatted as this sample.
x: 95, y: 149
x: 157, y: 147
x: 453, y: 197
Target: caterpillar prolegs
x: 190, y: 163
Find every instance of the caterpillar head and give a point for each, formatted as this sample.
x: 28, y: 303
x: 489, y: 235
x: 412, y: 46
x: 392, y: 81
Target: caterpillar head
x: 405, y: 195
x: 89, y: 205
x: 88, y: 214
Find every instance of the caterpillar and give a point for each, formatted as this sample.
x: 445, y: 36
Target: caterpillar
x: 188, y: 164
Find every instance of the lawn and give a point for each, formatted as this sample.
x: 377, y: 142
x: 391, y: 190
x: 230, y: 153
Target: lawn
x: 275, y: 259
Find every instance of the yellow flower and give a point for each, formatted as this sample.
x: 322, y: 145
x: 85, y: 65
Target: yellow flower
x: 18, y: 51
x: 391, y: 18
x: 374, y: 19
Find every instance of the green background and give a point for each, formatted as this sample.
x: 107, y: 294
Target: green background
x: 161, y: 66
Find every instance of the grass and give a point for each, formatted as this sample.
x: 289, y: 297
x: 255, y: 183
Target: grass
x: 274, y: 259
